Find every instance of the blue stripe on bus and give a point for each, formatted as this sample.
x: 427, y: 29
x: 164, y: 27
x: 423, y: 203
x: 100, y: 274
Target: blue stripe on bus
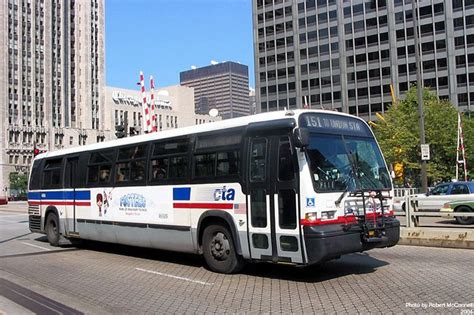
x: 182, y: 193
x: 60, y: 195
x: 83, y: 195
x: 34, y: 195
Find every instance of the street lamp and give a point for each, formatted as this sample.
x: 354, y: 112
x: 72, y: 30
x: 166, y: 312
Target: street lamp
x: 419, y: 87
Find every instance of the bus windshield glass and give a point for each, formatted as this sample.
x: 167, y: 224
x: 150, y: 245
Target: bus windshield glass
x: 343, y: 154
x: 345, y: 163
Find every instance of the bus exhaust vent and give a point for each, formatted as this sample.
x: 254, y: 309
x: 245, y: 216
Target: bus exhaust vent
x: 33, y: 210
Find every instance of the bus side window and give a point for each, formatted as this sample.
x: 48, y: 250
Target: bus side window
x: 258, y: 158
x: 35, y: 177
x: 286, y: 169
x: 228, y: 162
x: 131, y: 164
x: 100, y: 167
x: 169, y: 161
x: 52, y: 173
x: 204, y: 165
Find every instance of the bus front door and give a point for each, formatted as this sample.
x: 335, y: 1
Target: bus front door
x: 272, y: 182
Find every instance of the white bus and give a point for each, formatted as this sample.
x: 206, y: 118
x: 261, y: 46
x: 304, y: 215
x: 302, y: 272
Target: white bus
x: 295, y: 187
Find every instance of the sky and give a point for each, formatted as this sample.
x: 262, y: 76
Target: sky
x: 164, y: 37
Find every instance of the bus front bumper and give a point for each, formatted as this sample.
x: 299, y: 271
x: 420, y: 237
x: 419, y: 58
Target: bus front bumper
x: 325, y: 242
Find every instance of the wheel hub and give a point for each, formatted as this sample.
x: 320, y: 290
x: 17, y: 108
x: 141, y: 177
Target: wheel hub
x: 220, y: 247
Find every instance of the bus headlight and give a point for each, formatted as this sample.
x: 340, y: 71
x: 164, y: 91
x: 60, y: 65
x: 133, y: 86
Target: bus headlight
x: 311, y: 216
x: 327, y: 215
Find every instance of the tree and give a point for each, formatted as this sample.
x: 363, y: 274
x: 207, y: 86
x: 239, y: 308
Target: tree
x: 398, y: 135
x: 18, y: 183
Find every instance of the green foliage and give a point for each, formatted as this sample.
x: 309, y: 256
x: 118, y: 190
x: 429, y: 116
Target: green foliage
x: 398, y: 135
x: 18, y: 183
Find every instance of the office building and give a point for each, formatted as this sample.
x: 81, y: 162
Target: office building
x: 174, y: 108
x: 223, y: 86
x: 344, y: 55
x: 52, y: 78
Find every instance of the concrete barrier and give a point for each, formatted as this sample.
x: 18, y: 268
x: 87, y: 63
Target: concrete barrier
x: 437, y: 237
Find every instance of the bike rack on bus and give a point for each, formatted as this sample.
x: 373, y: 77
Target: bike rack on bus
x: 373, y: 232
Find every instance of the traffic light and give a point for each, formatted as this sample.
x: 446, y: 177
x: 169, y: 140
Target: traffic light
x: 37, y: 151
x: 120, y: 131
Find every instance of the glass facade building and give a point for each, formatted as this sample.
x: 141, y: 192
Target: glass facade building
x: 345, y: 54
x: 224, y: 86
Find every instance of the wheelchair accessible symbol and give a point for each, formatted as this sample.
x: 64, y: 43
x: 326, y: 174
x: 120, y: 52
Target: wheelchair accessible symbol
x: 309, y: 202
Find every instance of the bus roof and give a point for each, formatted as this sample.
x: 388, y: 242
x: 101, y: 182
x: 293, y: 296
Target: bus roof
x: 171, y: 133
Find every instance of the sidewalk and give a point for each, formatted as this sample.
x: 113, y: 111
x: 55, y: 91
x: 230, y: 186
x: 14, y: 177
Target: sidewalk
x: 15, y: 206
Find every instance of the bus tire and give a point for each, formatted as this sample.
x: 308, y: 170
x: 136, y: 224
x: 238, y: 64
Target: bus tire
x: 52, y: 229
x: 219, y: 250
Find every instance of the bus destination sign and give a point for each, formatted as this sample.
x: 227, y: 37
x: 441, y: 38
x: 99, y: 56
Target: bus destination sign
x: 327, y: 123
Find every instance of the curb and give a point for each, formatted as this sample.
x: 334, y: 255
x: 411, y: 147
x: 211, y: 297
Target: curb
x: 437, y: 237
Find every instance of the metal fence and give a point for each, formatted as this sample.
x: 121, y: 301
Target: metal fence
x: 412, y: 215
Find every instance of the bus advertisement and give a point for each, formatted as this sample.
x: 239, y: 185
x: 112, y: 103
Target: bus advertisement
x: 295, y: 187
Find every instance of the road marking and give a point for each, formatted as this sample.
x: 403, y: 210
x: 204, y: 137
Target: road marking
x: 43, y: 248
x: 174, y: 277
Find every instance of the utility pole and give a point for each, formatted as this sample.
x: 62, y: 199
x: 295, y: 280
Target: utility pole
x: 419, y: 88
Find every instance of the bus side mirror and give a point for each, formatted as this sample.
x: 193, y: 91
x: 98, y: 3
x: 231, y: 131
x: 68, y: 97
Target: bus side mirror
x: 301, y: 137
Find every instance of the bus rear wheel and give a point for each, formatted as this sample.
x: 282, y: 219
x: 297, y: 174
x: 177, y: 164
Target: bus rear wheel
x: 52, y: 229
x: 219, y: 250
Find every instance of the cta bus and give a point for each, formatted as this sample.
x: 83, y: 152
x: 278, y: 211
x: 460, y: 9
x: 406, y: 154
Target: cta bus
x: 294, y: 187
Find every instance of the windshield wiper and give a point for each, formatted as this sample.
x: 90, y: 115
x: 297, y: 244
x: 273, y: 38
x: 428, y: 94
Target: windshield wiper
x: 349, y: 178
x: 338, y: 201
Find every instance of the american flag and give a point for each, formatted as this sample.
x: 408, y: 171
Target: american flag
x: 240, y: 208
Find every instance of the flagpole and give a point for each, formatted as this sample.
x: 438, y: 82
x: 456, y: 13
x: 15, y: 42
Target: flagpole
x: 152, y: 101
x: 145, y: 110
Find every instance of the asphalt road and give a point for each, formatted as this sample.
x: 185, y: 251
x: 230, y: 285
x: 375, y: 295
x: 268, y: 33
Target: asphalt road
x: 104, y: 278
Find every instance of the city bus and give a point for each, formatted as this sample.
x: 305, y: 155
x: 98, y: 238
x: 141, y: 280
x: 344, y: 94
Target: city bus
x: 293, y: 187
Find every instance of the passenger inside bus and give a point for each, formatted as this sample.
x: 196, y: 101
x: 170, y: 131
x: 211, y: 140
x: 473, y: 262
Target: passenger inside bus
x: 159, y: 172
x: 104, y: 175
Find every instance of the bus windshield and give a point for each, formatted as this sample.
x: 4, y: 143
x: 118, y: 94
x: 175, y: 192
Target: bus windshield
x: 346, y: 163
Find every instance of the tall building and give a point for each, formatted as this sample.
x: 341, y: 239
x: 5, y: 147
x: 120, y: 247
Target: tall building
x: 343, y: 55
x: 224, y: 86
x: 52, y: 78
x: 174, y: 108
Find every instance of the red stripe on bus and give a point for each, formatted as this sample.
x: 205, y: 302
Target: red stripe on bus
x: 59, y: 203
x: 182, y: 205
x: 344, y: 219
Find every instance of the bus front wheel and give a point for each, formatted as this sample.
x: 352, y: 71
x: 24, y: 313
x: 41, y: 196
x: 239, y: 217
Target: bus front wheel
x: 219, y: 250
x: 52, y: 229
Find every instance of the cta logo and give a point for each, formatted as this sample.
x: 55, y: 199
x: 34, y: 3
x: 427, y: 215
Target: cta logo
x: 224, y: 194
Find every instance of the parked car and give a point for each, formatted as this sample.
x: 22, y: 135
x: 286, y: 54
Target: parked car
x: 459, y: 206
x: 434, y: 199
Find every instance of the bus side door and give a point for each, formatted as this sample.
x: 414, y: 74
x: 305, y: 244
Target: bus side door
x: 272, y: 186
x: 70, y: 185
